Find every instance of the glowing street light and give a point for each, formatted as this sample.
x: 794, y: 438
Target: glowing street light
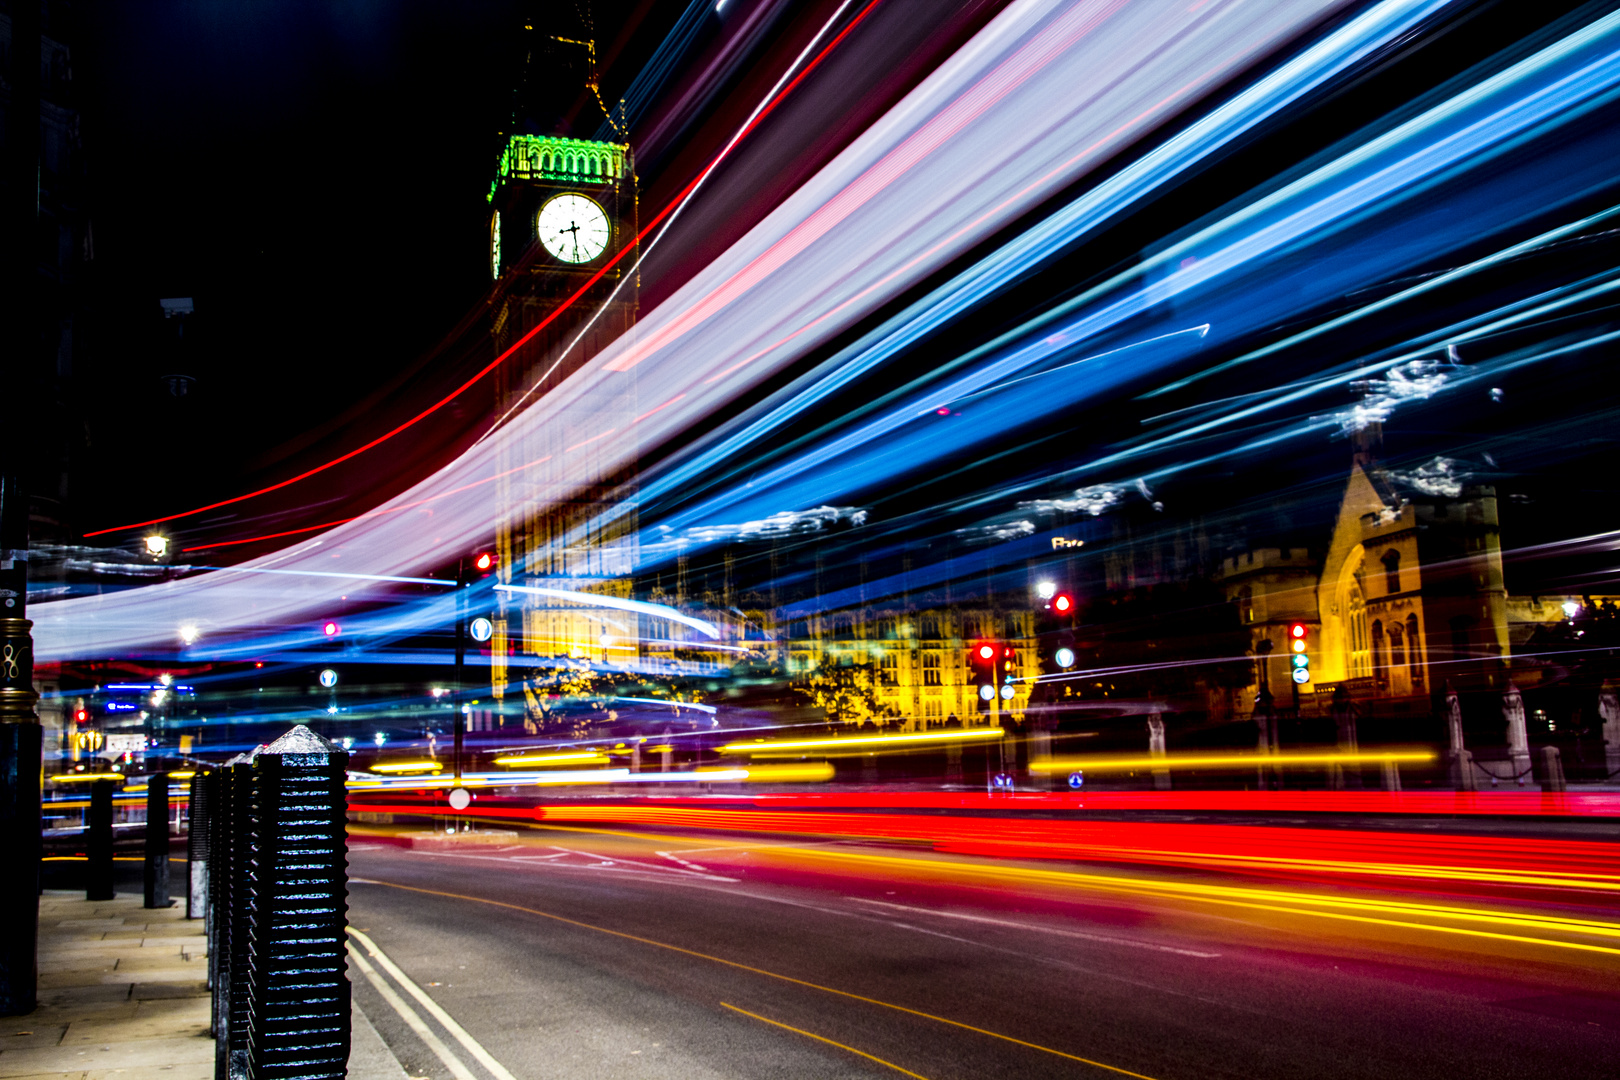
x: 1046, y: 590
x: 157, y: 546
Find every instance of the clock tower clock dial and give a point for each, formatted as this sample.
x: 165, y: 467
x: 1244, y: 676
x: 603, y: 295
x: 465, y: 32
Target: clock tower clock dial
x: 573, y: 228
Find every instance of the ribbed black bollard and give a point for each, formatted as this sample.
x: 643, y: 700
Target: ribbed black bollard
x: 236, y: 917
x: 98, y: 836
x: 298, y: 996
x: 197, y: 849
x: 156, y: 870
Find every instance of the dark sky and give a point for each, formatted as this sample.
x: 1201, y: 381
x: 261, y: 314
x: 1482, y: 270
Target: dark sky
x: 313, y: 173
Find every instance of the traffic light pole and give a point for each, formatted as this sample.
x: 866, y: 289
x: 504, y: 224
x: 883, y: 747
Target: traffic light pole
x: 461, y: 661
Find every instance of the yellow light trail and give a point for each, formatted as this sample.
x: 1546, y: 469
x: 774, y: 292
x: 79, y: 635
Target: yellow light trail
x: 1230, y: 896
x: 1223, y: 761
x: 61, y: 778
x: 594, y: 757
x: 1353, y: 909
x: 839, y: 743
x: 408, y: 766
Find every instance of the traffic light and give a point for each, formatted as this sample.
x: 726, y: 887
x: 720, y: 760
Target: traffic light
x: 1007, y: 672
x: 1299, y: 652
x: 484, y: 561
x: 984, y: 658
x: 81, y: 716
x: 330, y: 628
x: 1063, y: 604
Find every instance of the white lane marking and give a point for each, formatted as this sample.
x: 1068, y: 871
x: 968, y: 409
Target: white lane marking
x: 1038, y: 928
x: 459, y: 1033
x: 413, y: 1021
x: 623, y: 866
x: 689, y: 865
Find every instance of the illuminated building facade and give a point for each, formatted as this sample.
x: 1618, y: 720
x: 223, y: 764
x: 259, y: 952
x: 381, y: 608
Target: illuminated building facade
x: 1410, y: 596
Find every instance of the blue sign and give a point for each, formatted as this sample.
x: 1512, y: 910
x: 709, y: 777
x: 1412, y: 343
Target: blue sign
x: 1076, y: 781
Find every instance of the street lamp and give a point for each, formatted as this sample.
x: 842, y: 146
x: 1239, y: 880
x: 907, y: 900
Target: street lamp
x: 157, y: 546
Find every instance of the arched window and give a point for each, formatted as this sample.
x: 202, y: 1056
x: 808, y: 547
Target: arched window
x: 1380, y: 659
x: 1414, y: 649
x: 545, y: 162
x: 930, y: 669
x: 1392, y: 571
x: 568, y: 163
x: 1245, y: 605
x: 930, y: 627
x: 596, y: 166
x: 1397, y: 646
x: 889, y: 669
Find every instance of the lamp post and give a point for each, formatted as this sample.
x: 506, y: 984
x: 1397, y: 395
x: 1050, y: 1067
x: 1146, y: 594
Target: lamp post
x: 20, y: 322
x: 20, y: 745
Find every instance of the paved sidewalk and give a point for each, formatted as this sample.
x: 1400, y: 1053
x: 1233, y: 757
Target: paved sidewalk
x: 122, y: 995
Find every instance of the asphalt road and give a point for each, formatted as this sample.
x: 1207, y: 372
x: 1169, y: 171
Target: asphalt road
x: 627, y: 953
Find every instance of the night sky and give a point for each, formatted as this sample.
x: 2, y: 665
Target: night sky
x: 313, y: 174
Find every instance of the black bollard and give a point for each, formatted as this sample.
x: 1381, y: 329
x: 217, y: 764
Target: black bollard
x: 156, y: 878
x: 98, y: 871
x: 298, y: 1001
x: 197, y: 849
x: 235, y: 920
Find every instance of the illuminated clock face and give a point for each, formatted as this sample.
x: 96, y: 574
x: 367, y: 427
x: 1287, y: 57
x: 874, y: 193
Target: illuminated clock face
x: 573, y: 228
x: 495, y: 246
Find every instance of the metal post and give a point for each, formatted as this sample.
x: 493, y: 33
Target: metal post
x: 20, y: 762
x: 98, y: 871
x: 20, y: 322
x: 298, y: 1017
x: 197, y: 848
x: 19, y: 855
x: 156, y: 875
x: 461, y: 660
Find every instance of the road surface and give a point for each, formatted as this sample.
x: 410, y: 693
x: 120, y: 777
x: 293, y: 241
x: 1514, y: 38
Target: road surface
x: 629, y: 952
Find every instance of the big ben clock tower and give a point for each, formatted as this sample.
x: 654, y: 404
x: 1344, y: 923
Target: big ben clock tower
x: 561, y: 210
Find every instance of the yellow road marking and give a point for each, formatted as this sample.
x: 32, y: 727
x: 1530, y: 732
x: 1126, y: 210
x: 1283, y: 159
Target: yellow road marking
x: 820, y: 1038
x: 758, y: 971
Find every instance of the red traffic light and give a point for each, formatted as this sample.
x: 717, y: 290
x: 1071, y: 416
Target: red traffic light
x: 485, y: 560
x: 987, y: 652
x: 1298, y: 630
x: 330, y: 629
x: 81, y: 716
x: 1062, y: 603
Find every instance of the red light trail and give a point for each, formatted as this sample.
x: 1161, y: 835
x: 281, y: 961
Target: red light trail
x: 669, y: 207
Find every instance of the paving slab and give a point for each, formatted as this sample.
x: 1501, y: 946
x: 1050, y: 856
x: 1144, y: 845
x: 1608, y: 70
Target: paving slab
x: 150, y: 991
